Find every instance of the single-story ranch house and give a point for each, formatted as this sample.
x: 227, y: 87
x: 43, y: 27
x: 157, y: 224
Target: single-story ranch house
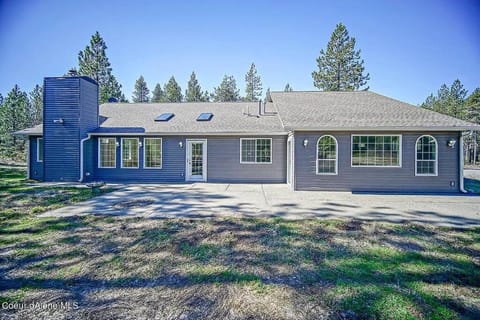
x: 353, y: 141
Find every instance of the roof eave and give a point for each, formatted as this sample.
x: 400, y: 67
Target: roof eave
x: 388, y: 128
x: 260, y: 133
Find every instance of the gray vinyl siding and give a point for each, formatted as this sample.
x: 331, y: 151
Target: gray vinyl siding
x: 36, y: 168
x: 74, y: 100
x: 223, y: 163
x: 173, y: 164
x: 376, y: 179
x: 61, y: 141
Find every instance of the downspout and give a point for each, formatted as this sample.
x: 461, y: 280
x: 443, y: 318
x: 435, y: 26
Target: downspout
x: 81, y: 156
x: 460, y: 148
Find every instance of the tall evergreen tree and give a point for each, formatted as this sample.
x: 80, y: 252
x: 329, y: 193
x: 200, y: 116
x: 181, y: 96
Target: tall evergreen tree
x: 173, y: 92
x: 194, y: 91
x: 340, y: 68
x: 141, y: 92
x: 14, y: 115
x: 448, y: 100
x: 227, y: 90
x: 253, y: 84
x: 93, y: 62
x: 157, y: 94
x: 1, y: 99
x: 288, y: 88
x: 36, y: 105
x: 472, y: 106
x: 112, y: 89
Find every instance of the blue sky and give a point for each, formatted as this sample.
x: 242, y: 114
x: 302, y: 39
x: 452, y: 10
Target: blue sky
x: 410, y: 47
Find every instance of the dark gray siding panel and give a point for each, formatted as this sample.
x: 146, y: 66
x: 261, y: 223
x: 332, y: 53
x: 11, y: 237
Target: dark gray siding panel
x: 36, y: 168
x: 61, y: 141
x: 74, y: 100
x: 89, y: 107
x: 376, y: 179
x: 173, y: 165
x: 224, y: 162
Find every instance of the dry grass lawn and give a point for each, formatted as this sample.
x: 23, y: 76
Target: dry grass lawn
x: 121, y: 268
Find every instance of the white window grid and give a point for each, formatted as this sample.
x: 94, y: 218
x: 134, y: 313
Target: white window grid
x: 152, y: 153
x: 256, y: 150
x: 426, y: 156
x: 129, y: 152
x: 107, y: 152
x: 327, y: 154
x: 376, y: 151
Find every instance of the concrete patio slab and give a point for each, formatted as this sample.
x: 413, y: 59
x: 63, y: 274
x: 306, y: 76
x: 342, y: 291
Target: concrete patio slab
x: 202, y: 200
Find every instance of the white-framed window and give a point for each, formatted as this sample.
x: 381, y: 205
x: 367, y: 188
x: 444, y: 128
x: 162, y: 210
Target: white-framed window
x: 129, y: 152
x: 327, y: 155
x: 152, y: 153
x: 256, y: 150
x: 426, y: 156
x: 107, y: 157
x: 39, y: 149
x: 374, y: 150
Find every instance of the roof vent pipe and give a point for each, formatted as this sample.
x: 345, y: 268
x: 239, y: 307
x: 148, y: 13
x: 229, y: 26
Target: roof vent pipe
x: 260, y: 107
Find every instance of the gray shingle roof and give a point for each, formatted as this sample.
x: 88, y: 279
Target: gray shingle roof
x: 37, y: 130
x: 297, y: 110
x: 358, y: 110
x: 228, y: 117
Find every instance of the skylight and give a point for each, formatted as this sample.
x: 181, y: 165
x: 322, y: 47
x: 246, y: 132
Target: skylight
x: 207, y: 116
x: 164, y: 117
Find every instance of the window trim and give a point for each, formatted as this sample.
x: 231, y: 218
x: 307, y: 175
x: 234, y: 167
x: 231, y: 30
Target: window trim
x: 336, y: 158
x: 121, y: 153
x: 255, y: 162
x: 400, y: 150
x: 99, y: 162
x: 436, y: 158
x: 38, y: 149
x: 144, y: 152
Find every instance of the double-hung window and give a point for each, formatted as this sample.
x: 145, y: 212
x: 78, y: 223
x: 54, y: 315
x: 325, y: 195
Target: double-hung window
x: 107, y: 152
x: 256, y: 150
x: 129, y: 152
x: 152, y: 153
x: 376, y: 150
x: 426, y: 154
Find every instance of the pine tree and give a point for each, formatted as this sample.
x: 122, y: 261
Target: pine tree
x: 227, y: 90
x: 111, y: 89
x: 288, y: 88
x: 457, y: 100
x: 472, y: 107
x: 93, y: 62
x: 448, y: 100
x: 1, y: 99
x: 14, y: 115
x: 173, y: 92
x: 194, y: 91
x: 253, y: 84
x: 157, y: 94
x: 36, y: 105
x: 141, y: 92
x: 340, y: 68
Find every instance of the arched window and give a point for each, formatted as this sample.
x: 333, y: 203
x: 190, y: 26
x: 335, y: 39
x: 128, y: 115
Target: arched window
x: 327, y: 155
x: 426, y: 156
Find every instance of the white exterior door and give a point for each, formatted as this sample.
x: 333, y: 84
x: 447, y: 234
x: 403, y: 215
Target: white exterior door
x: 196, y: 160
